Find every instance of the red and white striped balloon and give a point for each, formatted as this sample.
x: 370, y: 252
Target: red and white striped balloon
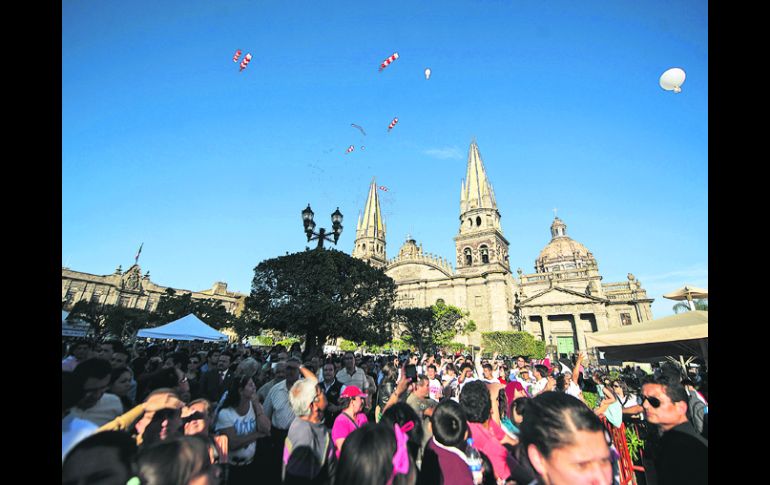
x: 237, y: 55
x: 245, y: 61
x: 392, y: 124
x: 350, y: 149
x: 387, y: 61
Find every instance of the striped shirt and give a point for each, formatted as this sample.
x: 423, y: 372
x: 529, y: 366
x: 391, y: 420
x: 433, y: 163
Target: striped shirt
x: 277, y: 406
x: 358, y: 378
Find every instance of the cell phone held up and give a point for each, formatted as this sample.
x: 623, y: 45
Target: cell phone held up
x: 411, y: 372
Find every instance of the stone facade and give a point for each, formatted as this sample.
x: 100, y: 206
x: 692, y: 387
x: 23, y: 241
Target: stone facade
x: 132, y: 290
x: 560, y: 302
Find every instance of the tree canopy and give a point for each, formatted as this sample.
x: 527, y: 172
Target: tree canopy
x: 434, y: 326
x: 322, y: 294
x: 172, y: 306
x: 513, y: 343
x: 104, y: 319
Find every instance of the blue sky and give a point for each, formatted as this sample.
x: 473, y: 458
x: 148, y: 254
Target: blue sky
x: 166, y: 143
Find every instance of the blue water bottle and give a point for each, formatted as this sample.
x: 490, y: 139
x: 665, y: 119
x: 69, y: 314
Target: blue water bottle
x: 473, y: 459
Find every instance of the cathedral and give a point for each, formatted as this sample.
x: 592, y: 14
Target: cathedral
x: 559, y: 303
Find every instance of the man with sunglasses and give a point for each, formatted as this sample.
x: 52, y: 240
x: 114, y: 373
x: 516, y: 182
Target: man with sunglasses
x: 681, y: 454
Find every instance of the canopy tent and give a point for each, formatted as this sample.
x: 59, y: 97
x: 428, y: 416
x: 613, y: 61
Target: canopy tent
x: 74, y: 328
x: 681, y: 334
x: 186, y: 328
x: 687, y: 293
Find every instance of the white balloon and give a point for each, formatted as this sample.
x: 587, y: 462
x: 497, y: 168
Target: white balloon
x: 673, y: 79
x: 427, y: 73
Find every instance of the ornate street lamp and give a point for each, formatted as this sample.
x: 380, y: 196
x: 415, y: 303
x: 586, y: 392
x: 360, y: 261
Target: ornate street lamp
x: 321, y: 235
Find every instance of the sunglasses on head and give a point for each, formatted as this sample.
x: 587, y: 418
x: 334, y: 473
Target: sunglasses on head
x: 654, y: 401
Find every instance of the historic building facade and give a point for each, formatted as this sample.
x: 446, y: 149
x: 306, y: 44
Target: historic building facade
x: 560, y: 302
x: 131, y: 289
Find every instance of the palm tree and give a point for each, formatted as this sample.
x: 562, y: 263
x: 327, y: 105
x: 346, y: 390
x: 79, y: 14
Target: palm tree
x: 683, y: 306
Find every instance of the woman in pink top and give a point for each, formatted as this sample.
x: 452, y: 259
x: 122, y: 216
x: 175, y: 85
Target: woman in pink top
x: 352, y: 416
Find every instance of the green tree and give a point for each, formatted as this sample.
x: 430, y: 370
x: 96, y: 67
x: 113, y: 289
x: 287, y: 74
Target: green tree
x: 512, y: 343
x: 323, y: 294
x: 173, y: 306
x: 348, y: 346
x: 93, y: 314
x: 683, y: 306
x: 432, y: 327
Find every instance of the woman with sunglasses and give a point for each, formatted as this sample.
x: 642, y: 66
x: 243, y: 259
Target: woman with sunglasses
x: 632, y: 407
x: 565, y: 442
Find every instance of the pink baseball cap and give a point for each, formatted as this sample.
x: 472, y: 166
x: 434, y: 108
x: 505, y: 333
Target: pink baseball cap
x: 352, y: 391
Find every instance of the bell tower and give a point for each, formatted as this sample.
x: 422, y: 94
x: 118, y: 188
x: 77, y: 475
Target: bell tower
x: 480, y: 244
x: 370, y: 231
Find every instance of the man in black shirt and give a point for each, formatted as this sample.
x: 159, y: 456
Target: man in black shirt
x: 681, y: 455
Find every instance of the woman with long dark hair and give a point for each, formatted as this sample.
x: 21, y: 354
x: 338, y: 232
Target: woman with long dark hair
x: 376, y: 455
x: 244, y: 422
x: 565, y: 442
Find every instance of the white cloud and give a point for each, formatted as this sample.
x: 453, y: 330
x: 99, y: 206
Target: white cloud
x: 445, y: 153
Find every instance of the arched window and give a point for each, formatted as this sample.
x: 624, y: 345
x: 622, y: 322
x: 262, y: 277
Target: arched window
x: 478, y: 220
x: 468, y: 257
x: 470, y: 223
x: 363, y: 247
x: 484, y: 254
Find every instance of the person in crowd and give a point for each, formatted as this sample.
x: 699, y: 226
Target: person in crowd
x: 96, y: 405
x: 518, y: 408
x: 419, y: 399
x: 444, y: 457
x: 697, y: 407
x: 119, y: 356
x: 681, y: 455
x: 403, y: 415
x: 120, y: 385
x: 197, y: 417
x: 632, y: 409
x: 332, y: 388
x: 212, y: 359
x: 541, y: 379
x: 435, y: 389
x: 352, y: 416
x: 73, y: 429
x: 280, y: 412
x: 105, y: 457
x: 184, y: 460
x: 386, y: 388
x: 168, y: 377
x: 371, y: 392
x: 278, y: 373
x: 308, y: 452
x: 350, y: 374
x: 487, y: 373
x: 609, y: 407
x: 487, y: 435
x: 162, y: 417
x: 565, y: 442
x: 105, y: 350
x: 243, y: 420
x: 466, y: 375
x: 449, y: 382
x: 194, y: 375
x: 214, y: 382
x: 79, y: 351
x: 376, y: 455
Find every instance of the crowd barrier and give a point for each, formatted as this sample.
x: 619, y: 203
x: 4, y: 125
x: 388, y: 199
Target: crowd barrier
x: 626, y: 465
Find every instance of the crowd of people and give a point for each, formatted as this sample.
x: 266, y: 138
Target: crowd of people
x: 199, y: 414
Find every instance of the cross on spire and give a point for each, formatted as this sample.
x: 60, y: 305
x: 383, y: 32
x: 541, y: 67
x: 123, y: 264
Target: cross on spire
x: 554, y: 212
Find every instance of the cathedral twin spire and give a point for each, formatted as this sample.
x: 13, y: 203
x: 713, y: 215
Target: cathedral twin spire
x: 370, y: 230
x: 476, y: 191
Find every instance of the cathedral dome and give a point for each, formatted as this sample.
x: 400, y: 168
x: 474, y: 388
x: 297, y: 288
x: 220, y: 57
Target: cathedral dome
x: 562, y: 252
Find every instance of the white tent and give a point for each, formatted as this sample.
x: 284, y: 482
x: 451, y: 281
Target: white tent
x: 681, y: 334
x: 186, y: 328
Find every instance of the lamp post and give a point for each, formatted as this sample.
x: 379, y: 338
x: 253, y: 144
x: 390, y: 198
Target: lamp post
x: 321, y: 235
